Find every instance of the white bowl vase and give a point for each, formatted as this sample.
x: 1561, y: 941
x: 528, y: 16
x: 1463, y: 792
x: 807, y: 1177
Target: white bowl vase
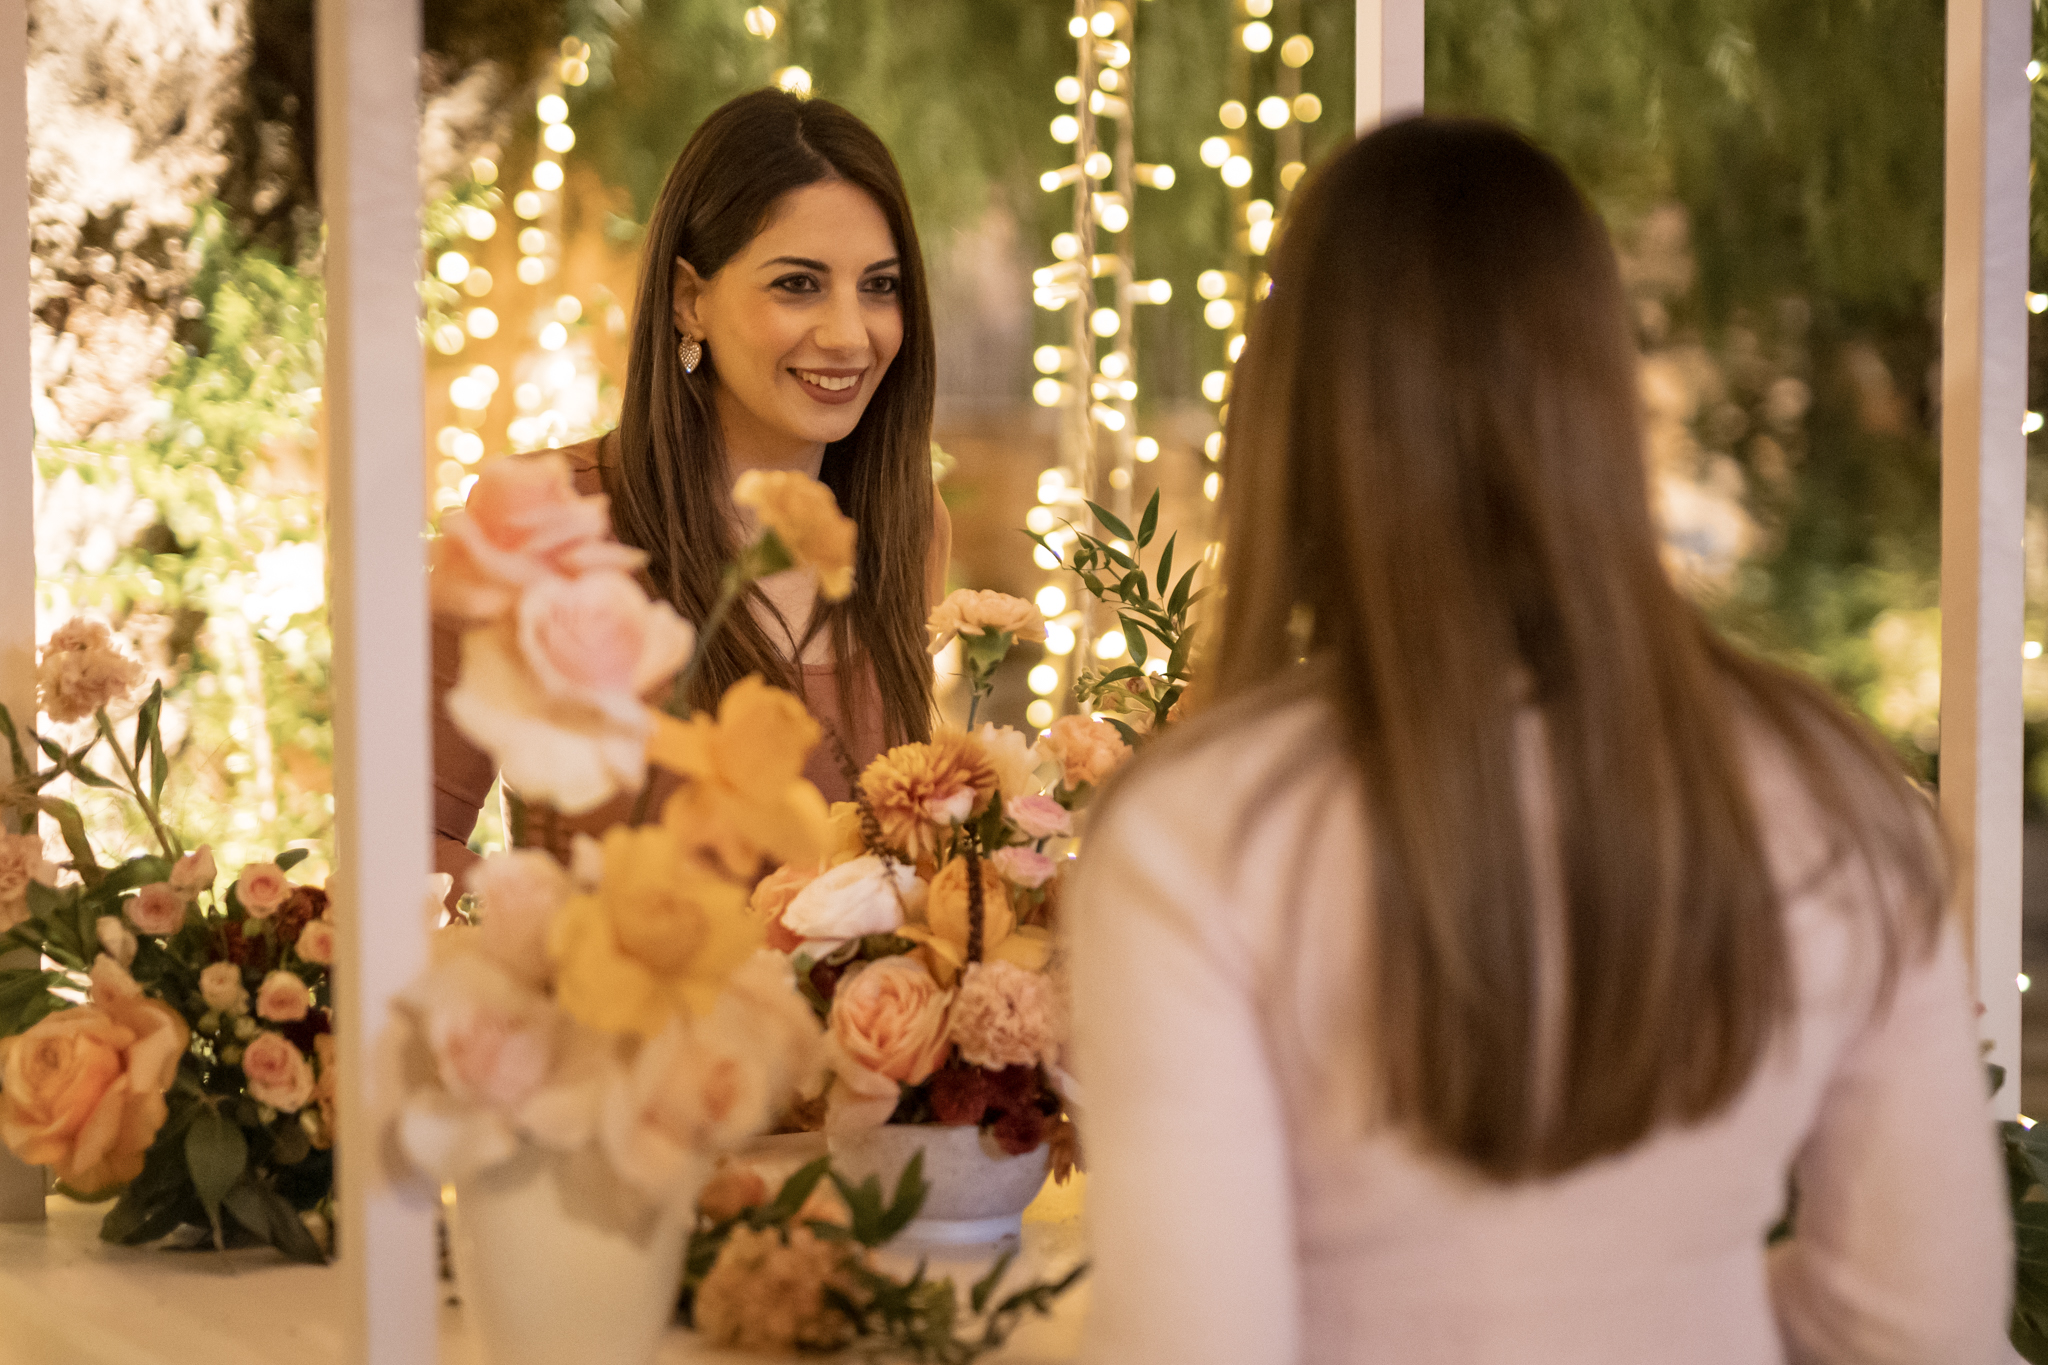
x: 543, y: 1285
x: 978, y: 1191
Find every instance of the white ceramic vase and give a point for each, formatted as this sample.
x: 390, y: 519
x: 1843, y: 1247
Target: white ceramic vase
x: 978, y: 1191
x: 543, y: 1284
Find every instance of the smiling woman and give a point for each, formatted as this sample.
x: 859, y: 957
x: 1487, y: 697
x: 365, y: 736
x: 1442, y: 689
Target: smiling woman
x: 782, y: 323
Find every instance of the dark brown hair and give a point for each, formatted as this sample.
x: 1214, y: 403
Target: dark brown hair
x: 671, y: 490
x: 1434, y: 453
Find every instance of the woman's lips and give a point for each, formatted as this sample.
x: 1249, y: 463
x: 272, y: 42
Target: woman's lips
x: 807, y: 380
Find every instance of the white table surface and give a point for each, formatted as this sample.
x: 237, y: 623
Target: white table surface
x: 67, y: 1298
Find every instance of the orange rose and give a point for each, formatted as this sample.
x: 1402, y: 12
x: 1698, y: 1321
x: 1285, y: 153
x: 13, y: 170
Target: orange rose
x: 82, y: 1092
x: 888, y: 1027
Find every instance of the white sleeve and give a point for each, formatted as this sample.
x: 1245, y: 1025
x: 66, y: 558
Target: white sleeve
x: 1902, y: 1250
x: 1190, y: 1201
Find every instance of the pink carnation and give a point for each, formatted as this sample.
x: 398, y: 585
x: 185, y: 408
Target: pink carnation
x: 21, y: 862
x: 83, y: 669
x: 1086, y: 750
x: 970, y: 611
x: 1005, y: 1015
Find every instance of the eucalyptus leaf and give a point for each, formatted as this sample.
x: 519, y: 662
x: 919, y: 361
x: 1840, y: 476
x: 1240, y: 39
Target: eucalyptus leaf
x: 146, y: 721
x: 1111, y: 522
x: 1165, y: 575
x: 1148, y: 523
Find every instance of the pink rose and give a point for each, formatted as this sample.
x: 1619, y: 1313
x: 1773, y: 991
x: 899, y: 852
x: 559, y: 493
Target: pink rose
x: 493, y: 1040
x: 158, y: 910
x: 283, y: 998
x: 262, y: 888
x: 524, y: 522
x: 220, y: 983
x: 1086, y: 750
x: 1039, y: 817
x: 1025, y: 867
x: 316, y: 942
x: 194, y: 872
x: 278, y: 1073
x: 519, y: 893
x: 1005, y: 1015
x: 889, y: 1017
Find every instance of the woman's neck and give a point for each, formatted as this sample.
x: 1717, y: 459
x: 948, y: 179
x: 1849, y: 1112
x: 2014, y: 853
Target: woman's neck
x: 752, y: 444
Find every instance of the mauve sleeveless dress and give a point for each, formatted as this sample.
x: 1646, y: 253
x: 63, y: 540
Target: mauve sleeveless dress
x: 463, y: 773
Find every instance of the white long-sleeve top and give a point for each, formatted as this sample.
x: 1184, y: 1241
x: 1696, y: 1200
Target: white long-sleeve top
x: 1245, y: 1210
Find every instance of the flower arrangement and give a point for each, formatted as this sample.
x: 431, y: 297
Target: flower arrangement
x: 167, y: 1044
x: 610, y: 1000
x: 924, y: 935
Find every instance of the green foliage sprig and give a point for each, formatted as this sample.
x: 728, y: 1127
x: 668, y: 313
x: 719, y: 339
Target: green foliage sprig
x: 1147, y: 603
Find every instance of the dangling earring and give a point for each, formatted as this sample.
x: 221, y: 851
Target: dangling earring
x: 689, y: 351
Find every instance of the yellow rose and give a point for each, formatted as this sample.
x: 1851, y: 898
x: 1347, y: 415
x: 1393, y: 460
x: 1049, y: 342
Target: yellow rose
x: 806, y: 518
x: 844, y: 839
x: 943, y: 935
x: 744, y: 797
x: 659, y: 936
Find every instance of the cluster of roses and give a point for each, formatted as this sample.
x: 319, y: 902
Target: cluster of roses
x: 925, y: 937
x: 616, y: 999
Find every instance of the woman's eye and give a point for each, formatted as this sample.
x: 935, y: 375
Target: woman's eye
x: 884, y: 284
x: 797, y: 284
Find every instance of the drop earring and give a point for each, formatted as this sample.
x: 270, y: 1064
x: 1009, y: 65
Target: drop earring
x: 689, y: 351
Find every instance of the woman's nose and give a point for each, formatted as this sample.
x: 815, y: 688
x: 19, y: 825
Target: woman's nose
x: 842, y: 329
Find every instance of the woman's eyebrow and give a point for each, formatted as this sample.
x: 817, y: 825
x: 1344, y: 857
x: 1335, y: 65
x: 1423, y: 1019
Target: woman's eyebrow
x: 880, y: 265
x: 801, y: 262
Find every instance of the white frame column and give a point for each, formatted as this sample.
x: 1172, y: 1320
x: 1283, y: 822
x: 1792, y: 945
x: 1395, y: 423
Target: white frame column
x: 1984, y: 495
x: 368, y: 76
x: 1389, y: 61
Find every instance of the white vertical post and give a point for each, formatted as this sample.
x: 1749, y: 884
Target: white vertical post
x: 21, y: 1187
x: 1389, y: 61
x: 1983, y: 493
x: 368, y: 78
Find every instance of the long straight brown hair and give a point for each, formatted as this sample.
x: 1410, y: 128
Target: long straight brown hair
x: 669, y: 480
x: 1434, y: 449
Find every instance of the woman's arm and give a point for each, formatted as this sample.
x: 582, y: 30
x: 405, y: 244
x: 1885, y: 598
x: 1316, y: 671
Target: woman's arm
x: 1902, y: 1250
x: 463, y: 773
x: 941, y: 556
x: 1189, y: 1200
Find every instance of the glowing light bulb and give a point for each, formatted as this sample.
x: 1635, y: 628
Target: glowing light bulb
x: 1039, y: 519
x: 1147, y: 450
x: 484, y: 171
x: 448, y: 338
x: 528, y: 204
x: 1308, y: 108
x: 482, y: 323
x: 2032, y: 423
x: 1048, y: 360
x: 1235, y: 348
x: 1043, y: 679
x: 1066, y: 246
x: 559, y: 137
x: 2037, y: 303
x: 554, y: 337
x: 547, y: 174
x: 1040, y: 713
x: 1104, y: 322
x: 1048, y: 393
x: 575, y: 71
x: 1051, y: 600
x: 568, y: 308
x: 1152, y: 291
x: 1099, y: 165
x: 1065, y: 128
x: 1104, y: 23
x: 1212, y: 284
x: 1068, y: 89
x: 1273, y: 112
x: 760, y: 21
x: 1114, y: 217
x: 1044, y: 558
x: 452, y: 267
x: 1059, y: 639
x: 1258, y: 211
x: 552, y: 109
x: 480, y: 224
x: 1077, y: 27
x: 1258, y: 36
x: 1219, y: 313
x: 2031, y: 650
x: 1213, y: 385
x: 466, y: 393
x: 532, y: 241
x: 1215, y: 151
x: 1212, y: 446
x: 1212, y: 485
x: 1231, y: 115
x: 532, y: 269
x: 794, y: 79
x: 1291, y: 174
x: 1261, y: 236
x: 1111, y: 646
x: 1237, y: 172
x: 1258, y: 9
x: 1297, y: 50
x: 1107, y: 417
x: 1115, y: 365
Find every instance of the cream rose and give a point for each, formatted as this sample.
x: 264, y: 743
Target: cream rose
x: 1039, y: 817
x: 158, y: 910
x: 524, y: 522
x: 220, y: 984
x: 316, y: 942
x: 519, y: 893
x: 1086, y: 750
x: 283, y: 998
x: 261, y: 889
x: 1014, y: 758
x: 1025, y: 867
x: 195, y: 872
x: 82, y: 1090
x: 116, y: 939
x: 278, y: 1073
x: 21, y: 862
x: 865, y: 896
x: 692, y: 1091
x: 981, y: 612
x: 83, y: 669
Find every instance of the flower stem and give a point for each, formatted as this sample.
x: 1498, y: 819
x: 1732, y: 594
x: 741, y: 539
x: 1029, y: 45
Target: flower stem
x: 977, y: 911
x: 728, y: 593
x: 128, y: 770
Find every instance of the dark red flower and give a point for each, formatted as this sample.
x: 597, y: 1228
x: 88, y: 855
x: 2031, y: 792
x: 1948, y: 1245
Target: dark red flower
x: 302, y: 907
x: 960, y: 1094
x: 1019, y: 1130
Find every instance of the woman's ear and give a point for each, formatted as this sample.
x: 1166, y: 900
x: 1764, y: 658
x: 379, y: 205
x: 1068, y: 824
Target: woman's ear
x: 690, y: 287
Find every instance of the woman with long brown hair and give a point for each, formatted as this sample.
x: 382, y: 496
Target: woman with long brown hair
x: 782, y: 322
x: 1474, y: 980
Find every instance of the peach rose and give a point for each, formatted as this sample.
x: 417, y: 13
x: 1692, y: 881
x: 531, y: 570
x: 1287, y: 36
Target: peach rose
x: 889, y: 1018
x: 944, y: 934
x: 283, y: 998
x: 865, y: 896
x: 195, y: 872
x: 555, y: 697
x: 158, y: 910
x: 1039, y: 817
x: 772, y: 895
x: 806, y: 518
x: 691, y: 1091
x: 83, y: 669
x: 1025, y: 867
x: 524, y: 522
x: 1086, y: 750
x: 220, y: 984
x: 82, y: 1091
x: 21, y: 862
x: 981, y: 612
x: 519, y: 893
x: 316, y: 942
x: 262, y: 888
x: 1004, y: 1016
x: 278, y: 1073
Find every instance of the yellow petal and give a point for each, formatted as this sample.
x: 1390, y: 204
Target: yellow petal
x: 1030, y: 947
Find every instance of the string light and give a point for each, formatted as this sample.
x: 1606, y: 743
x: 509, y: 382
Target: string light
x: 760, y: 21
x: 1040, y: 713
x: 1065, y: 128
x: 552, y: 109
x: 560, y: 137
x: 1231, y: 115
x: 1051, y: 600
x: 482, y: 323
x: 1297, y: 50
x: 795, y: 80
x: 1257, y: 36
x: 1215, y: 151
x: 1147, y: 451
x: 452, y: 267
x: 1274, y: 112
x: 547, y: 174
x: 529, y: 204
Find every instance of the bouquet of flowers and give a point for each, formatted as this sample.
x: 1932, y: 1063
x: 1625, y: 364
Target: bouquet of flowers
x: 166, y: 1044
x: 924, y: 937
x: 610, y: 999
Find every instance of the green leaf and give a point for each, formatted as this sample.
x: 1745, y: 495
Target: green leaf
x: 1134, y: 640
x: 1166, y: 563
x: 91, y: 778
x: 21, y: 769
x: 159, y: 767
x: 978, y: 1297
x: 1149, y: 523
x: 146, y: 722
x: 911, y: 1189
x: 291, y: 858
x: 794, y: 1192
x: 216, y: 1153
x: 1123, y: 561
x: 1110, y: 522
x: 1120, y: 673
x: 1180, y: 601
x: 289, y: 1143
x: 264, y: 1212
x: 72, y: 825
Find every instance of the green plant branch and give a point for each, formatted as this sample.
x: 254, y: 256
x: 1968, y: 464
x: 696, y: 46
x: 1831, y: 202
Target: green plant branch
x: 128, y: 770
